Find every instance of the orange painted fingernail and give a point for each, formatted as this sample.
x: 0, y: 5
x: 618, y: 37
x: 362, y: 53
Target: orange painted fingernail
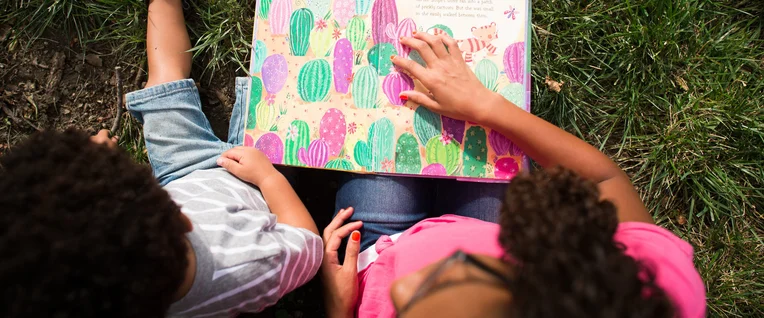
x: 404, y: 98
x: 413, y: 32
x: 356, y: 236
x: 392, y: 57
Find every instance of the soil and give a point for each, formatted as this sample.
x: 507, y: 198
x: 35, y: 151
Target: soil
x: 51, y: 84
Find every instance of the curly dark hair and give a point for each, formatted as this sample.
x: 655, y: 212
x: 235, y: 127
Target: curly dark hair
x: 85, y: 232
x: 559, y: 235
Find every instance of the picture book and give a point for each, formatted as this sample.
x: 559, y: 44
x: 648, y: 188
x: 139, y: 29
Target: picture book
x: 324, y: 92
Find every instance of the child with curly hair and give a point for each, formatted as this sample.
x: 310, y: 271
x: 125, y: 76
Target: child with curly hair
x: 574, y: 241
x: 86, y: 232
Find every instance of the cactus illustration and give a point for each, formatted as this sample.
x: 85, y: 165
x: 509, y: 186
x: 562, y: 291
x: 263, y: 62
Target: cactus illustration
x: 514, y: 62
x: 314, y: 81
x: 502, y: 145
x: 321, y: 38
x: 514, y: 93
x: 414, y: 56
x: 270, y: 144
x: 443, y: 150
x: 405, y: 28
x: 252, y: 111
x: 505, y: 168
x: 395, y: 83
x: 383, y: 12
x: 343, y: 65
x: 316, y: 155
x: 407, y: 158
x: 343, y: 11
x: 426, y: 124
x: 362, y: 7
x: 340, y: 164
x: 379, y: 58
x: 382, y: 143
x: 365, y: 87
x: 332, y: 130
x: 275, y: 72
x: 356, y: 33
x: 258, y: 51
x: 488, y: 73
x: 435, y: 169
x: 453, y: 127
x: 279, y: 16
x: 263, y: 8
x: 475, y: 153
x: 442, y: 28
x: 255, y: 90
x: 362, y: 154
x: 248, y: 141
x: 297, y: 137
x: 319, y: 7
x: 266, y: 116
x: 300, y: 24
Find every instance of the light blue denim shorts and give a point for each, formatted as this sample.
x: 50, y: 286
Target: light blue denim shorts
x: 179, y: 139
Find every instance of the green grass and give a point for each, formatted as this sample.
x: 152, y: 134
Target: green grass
x: 672, y: 90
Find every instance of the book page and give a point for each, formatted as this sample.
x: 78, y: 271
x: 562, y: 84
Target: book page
x: 324, y: 93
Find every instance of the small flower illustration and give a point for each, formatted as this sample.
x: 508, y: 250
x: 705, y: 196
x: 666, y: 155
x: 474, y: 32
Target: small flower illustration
x: 336, y: 35
x: 321, y: 24
x: 446, y: 139
x: 351, y: 128
x: 292, y: 132
x: 387, y: 165
x: 270, y: 99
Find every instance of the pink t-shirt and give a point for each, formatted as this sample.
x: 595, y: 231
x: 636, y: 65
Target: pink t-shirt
x: 433, y: 239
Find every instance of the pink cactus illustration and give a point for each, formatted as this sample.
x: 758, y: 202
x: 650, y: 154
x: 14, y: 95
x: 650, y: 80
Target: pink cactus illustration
x: 395, y: 83
x: 248, y: 141
x: 395, y: 32
x: 275, y: 72
x: 383, y: 12
x: 502, y: 146
x: 514, y: 62
x: 316, y: 156
x: 434, y: 169
x: 332, y: 130
x: 343, y: 65
x: 506, y: 168
x: 270, y: 144
x: 279, y: 16
x: 344, y: 10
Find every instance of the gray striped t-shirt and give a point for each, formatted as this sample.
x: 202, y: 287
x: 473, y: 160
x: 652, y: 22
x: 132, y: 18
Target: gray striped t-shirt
x: 245, y: 261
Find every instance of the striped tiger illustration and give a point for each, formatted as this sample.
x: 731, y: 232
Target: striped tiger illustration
x: 483, y: 36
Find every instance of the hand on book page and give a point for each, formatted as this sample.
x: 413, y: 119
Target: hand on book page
x: 455, y: 90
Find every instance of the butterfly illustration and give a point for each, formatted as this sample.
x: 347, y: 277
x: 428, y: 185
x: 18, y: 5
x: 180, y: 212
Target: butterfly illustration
x: 511, y: 13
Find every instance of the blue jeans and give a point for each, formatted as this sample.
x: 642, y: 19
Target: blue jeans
x: 390, y: 205
x: 179, y: 139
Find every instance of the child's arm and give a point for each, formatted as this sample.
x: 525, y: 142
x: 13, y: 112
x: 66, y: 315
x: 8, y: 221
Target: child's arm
x: 253, y: 166
x: 456, y: 92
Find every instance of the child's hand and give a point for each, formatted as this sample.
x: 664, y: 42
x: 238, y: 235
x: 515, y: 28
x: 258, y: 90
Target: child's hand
x: 341, y: 280
x: 248, y: 164
x: 103, y: 138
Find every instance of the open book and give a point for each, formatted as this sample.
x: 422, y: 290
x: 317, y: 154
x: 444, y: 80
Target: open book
x: 324, y: 93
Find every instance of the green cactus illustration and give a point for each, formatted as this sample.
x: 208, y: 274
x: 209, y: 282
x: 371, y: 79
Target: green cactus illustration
x: 382, y: 143
x: 263, y: 8
x: 340, y: 164
x: 298, y: 137
x: 266, y: 116
x: 475, y: 153
x: 252, y: 114
x: 488, y: 73
x: 407, y: 158
x: 443, y: 150
x: 300, y: 24
x: 314, y: 81
x: 515, y: 93
x: 379, y: 57
x: 426, y: 124
x: 362, y: 154
x: 443, y: 28
x: 356, y: 33
x: 365, y: 87
x: 255, y: 96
